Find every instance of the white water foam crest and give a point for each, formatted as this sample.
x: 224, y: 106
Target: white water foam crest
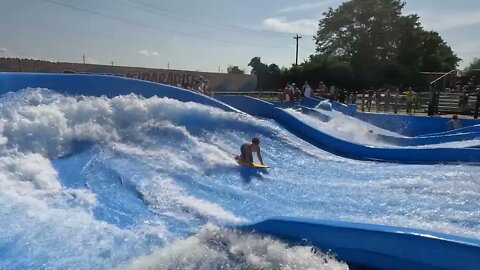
x: 191, y: 147
x: 41, y: 236
x: 341, y: 127
x: 163, y: 193
x: 349, y: 128
x: 220, y: 248
x: 31, y: 177
x: 44, y: 122
x: 38, y: 214
x: 364, y: 126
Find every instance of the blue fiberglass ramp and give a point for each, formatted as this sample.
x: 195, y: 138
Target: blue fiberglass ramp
x: 461, y: 134
x: 377, y: 247
x: 100, y: 85
x: 407, y: 125
x: 154, y: 180
x: 348, y: 149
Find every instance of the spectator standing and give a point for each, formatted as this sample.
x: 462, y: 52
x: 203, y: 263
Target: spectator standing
x: 477, y: 102
x: 332, y: 93
x: 323, y: 89
x: 454, y: 123
x: 378, y: 98
x: 363, y: 99
x: 342, y: 95
x: 287, y: 93
x: 387, y: 100
x: 353, y: 97
x: 370, y: 95
x: 409, y: 96
x: 306, y: 89
x: 397, y: 98
x: 296, y: 92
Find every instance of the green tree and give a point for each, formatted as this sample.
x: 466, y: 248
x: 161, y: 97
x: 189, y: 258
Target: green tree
x: 274, y: 69
x: 360, y: 29
x: 257, y: 66
x: 436, y: 54
x: 235, y: 70
x: 473, y: 68
x: 268, y: 76
x: 380, y: 44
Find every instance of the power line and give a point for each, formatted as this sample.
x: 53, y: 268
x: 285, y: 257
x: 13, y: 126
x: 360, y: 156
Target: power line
x: 160, y: 28
x: 197, y: 20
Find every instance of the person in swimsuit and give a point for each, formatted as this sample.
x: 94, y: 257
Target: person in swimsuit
x: 454, y: 123
x: 247, y: 149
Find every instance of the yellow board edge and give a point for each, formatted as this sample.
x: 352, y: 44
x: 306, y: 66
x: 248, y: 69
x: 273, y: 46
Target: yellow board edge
x: 253, y: 164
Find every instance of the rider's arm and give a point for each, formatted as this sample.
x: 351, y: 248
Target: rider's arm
x: 259, y: 156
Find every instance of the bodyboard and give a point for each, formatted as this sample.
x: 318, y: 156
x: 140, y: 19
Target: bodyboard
x: 252, y: 165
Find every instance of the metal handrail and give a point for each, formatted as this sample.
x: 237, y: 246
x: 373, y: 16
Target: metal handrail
x: 434, y: 99
x: 441, y: 77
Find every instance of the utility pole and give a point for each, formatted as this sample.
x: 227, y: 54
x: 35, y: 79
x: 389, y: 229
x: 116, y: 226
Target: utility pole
x: 84, y: 59
x: 168, y: 65
x: 112, y: 63
x: 297, y: 37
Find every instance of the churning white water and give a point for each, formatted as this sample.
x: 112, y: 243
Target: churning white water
x: 132, y: 182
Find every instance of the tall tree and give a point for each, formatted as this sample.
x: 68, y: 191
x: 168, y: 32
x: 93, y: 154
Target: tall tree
x: 268, y: 76
x: 235, y: 70
x: 257, y: 66
x: 473, y: 68
x: 380, y: 43
x: 437, y: 55
x: 360, y: 29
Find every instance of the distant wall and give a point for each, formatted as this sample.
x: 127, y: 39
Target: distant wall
x: 100, y: 85
x: 216, y: 81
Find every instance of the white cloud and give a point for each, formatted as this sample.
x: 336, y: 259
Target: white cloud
x: 309, y: 6
x: 148, y: 53
x: 3, y: 51
x: 143, y: 52
x: 280, y: 24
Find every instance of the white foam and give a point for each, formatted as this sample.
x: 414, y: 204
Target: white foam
x: 342, y: 127
x: 219, y: 248
x: 47, y: 123
x: 457, y: 144
x: 162, y: 193
x: 31, y: 169
x: 38, y: 235
x: 32, y: 179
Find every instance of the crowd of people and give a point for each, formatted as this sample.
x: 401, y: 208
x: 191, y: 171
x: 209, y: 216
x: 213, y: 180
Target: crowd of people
x: 386, y: 98
x: 199, y: 85
x: 292, y: 92
x: 382, y: 98
x: 465, y: 90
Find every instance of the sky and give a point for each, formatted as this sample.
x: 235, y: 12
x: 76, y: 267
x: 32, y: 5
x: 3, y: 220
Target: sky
x: 204, y: 35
